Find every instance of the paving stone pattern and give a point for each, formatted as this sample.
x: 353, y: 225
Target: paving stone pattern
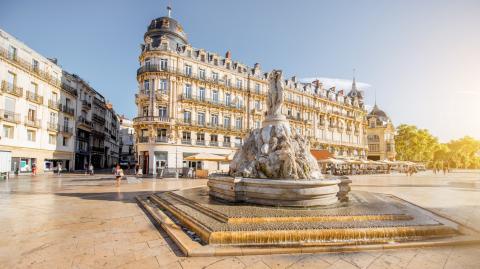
x: 77, y: 221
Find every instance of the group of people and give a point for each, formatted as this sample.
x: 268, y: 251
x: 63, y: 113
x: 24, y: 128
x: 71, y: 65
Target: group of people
x: 445, y: 167
x: 88, y: 169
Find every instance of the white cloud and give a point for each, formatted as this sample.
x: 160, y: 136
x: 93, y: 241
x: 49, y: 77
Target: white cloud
x: 339, y: 83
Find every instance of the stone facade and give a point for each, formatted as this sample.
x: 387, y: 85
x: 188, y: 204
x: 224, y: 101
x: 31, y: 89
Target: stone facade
x: 190, y: 100
x: 37, y: 114
x: 97, y: 126
x: 380, y: 135
x: 126, y: 141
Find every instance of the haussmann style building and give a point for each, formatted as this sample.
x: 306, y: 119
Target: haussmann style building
x: 380, y: 135
x: 192, y: 101
x: 49, y: 116
x: 37, y: 114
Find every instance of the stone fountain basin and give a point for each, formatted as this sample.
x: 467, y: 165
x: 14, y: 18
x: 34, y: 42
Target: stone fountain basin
x: 275, y: 192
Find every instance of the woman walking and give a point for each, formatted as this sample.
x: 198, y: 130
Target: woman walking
x: 118, y: 174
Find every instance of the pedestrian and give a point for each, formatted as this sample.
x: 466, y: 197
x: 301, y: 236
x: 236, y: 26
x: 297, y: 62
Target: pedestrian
x: 118, y: 174
x: 59, y: 167
x: 85, y: 167
x: 34, y: 169
x: 90, y: 169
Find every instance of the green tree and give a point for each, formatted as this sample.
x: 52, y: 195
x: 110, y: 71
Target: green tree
x: 464, y: 152
x: 413, y: 144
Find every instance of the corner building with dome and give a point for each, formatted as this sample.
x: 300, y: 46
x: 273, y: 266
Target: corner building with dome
x: 192, y: 101
x: 380, y: 136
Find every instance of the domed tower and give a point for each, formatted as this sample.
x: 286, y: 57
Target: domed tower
x: 380, y: 135
x: 165, y: 28
x: 158, y: 84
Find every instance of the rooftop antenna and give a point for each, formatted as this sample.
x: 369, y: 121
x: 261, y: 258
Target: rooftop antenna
x: 169, y: 9
x: 375, y: 91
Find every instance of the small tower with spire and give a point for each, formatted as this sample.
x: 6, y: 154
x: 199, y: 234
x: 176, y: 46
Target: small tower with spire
x: 355, y: 92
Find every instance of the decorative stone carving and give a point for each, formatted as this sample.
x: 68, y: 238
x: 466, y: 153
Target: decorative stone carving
x: 275, y: 151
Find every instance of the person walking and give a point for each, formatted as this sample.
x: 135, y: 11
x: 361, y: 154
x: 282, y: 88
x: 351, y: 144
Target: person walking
x: 85, y: 167
x: 90, y: 169
x: 118, y: 174
x: 59, y: 167
x: 34, y: 169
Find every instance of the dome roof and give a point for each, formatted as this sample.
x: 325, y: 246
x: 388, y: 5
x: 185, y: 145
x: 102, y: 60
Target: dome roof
x: 166, y: 26
x: 379, y: 114
x: 354, y: 92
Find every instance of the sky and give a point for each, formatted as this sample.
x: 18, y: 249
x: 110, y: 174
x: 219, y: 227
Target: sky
x: 421, y: 59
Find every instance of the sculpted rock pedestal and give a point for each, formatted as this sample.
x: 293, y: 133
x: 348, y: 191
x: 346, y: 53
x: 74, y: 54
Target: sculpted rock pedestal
x: 274, y: 165
x: 275, y: 152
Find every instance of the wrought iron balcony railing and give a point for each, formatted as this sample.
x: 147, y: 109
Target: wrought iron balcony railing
x: 151, y: 119
x: 29, y: 67
x: 9, y: 116
x: 161, y: 139
x: 32, y: 122
x: 12, y: 89
x: 54, y: 104
x: 53, y: 126
x: 34, y: 97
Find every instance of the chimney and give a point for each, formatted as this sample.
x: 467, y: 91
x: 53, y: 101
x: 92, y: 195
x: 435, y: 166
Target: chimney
x: 228, y: 54
x: 169, y: 9
x: 294, y: 78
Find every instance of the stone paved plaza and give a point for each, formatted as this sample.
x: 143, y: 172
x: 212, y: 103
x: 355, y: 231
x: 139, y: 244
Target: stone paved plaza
x: 77, y: 221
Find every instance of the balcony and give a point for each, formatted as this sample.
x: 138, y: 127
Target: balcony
x: 53, y: 126
x: 86, y: 105
x: 69, y: 89
x: 227, y: 144
x: 83, y: 122
x: 212, y: 102
x: 180, y: 71
x: 35, y: 123
x: 12, y: 89
x: 34, y: 97
x: 187, y: 141
x: 142, y: 95
x: 27, y: 65
x: 98, y: 149
x: 296, y: 119
x: 66, y: 131
x: 213, y: 143
x: 98, y: 118
x: 67, y: 109
x: 161, y: 139
x: 53, y: 104
x: 161, y: 96
x: 9, y: 116
x: 151, y: 119
x: 200, y: 142
x: 143, y: 139
x: 155, y: 68
x: 256, y: 111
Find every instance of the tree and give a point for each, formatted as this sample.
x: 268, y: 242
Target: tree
x: 413, y: 144
x: 464, y: 152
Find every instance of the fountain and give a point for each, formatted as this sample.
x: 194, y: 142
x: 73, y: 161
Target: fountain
x: 275, y: 166
x: 275, y: 200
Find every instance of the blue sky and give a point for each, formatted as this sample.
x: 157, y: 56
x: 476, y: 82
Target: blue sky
x: 422, y: 58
